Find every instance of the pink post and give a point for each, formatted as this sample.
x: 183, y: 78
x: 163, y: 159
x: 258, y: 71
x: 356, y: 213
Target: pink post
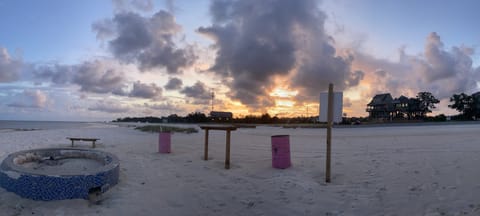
x: 281, y: 151
x: 164, y: 142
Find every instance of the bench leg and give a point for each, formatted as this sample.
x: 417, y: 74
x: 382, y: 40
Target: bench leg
x: 72, y: 143
x: 93, y: 144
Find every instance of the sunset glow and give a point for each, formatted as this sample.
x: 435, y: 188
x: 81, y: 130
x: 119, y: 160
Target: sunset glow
x: 283, y: 93
x: 144, y: 57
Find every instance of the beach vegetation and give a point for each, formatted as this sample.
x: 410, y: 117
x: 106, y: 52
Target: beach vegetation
x: 162, y: 128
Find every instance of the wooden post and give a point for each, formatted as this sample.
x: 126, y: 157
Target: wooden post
x: 205, y: 154
x: 329, y: 132
x: 227, y: 151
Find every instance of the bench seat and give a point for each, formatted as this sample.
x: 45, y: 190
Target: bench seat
x: 93, y: 140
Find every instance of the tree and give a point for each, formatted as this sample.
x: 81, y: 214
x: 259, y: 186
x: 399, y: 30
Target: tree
x: 463, y: 103
x: 413, y: 108
x: 196, y: 117
x: 266, y: 119
x: 427, y: 102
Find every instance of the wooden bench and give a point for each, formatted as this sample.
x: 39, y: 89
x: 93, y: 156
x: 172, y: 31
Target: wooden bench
x: 93, y: 140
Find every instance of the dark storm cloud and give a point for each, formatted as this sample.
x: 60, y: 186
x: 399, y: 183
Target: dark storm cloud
x: 98, y: 77
x: 132, y: 35
x: 142, y: 90
x: 10, y: 68
x: 174, y: 84
x: 257, y: 41
x: 146, y: 41
x: 197, y: 91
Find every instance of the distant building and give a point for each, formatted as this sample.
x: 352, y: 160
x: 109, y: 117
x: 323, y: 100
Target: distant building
x: 381, y: 106
x: 384, y: 107
x: 221, y: 116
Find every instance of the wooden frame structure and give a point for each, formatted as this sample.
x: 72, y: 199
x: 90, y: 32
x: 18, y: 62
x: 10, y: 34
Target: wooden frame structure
x: 225, y: 128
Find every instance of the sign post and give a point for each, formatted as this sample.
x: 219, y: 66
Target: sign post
x: 329, y: 133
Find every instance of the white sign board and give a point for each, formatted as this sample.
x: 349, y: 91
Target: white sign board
x: 337, y: 107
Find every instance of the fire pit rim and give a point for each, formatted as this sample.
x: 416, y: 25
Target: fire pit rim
x: 110, y: 161
x: 41, y: 186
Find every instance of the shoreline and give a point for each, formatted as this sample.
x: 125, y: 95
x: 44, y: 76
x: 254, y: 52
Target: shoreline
x: 375, y: 171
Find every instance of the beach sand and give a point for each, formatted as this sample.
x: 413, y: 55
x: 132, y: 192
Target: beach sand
x: 411, y: 170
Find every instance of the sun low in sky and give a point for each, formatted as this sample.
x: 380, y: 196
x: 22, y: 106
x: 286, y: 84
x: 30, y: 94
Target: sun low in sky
x: 100, y: 60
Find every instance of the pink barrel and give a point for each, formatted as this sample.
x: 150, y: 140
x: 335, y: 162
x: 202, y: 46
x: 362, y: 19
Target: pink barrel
x: 164, y: 142
x: 281, y: 151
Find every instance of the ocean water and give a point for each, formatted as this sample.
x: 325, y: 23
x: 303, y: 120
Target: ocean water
x: 42, y: 125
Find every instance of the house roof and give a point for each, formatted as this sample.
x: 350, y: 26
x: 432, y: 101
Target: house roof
x: 218, y: 114
x: 401, y: 99
x: 381, y: 99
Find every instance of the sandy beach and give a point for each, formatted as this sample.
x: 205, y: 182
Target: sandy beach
x: 408, y: 170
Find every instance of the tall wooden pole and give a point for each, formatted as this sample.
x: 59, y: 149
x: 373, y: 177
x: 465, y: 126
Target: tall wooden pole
x: 227, y: 151
x: 329, y: 132
x: 205, y: 151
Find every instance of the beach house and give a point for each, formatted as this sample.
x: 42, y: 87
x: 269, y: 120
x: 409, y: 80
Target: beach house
x: 218, y: 116
x: 383, y: 107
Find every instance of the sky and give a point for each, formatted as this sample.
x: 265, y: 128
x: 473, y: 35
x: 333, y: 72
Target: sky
x: 101, y: 60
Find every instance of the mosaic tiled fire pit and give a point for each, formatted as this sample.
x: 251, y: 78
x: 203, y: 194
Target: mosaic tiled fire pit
x: 59, y: 173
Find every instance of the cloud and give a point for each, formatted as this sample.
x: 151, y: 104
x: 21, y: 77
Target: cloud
x: 10, y: 68
x: 198, y: 92
x: 168, y: 107
x: 438, y: 70
x: 98, y: 77
x: 109, y: 107
x: 31, y: 99
x: 174, y: 84
x: 104, y: 29
x: 144, y: 5
x: 132, y: 35
x: 128, y: 5
x: 146, y: 41
x: 259, y: 41
x: 439, y: 63
x: 58, y: 74
x: 142, y: 90
x: 169, y: 4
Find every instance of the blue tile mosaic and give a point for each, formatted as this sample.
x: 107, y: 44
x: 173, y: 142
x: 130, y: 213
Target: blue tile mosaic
x: 35, y: 185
